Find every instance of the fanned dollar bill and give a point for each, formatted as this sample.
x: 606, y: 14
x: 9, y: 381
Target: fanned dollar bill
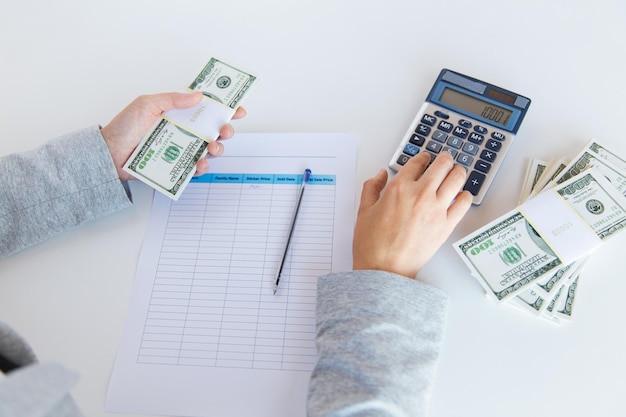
x: 596, y: 156
x: 549, y: 289
x: 166, y: 157
x: 534, y: 172
x: 564, y: 305
x: 551, y: 172
x: 535, y: 299
x: 509, y: 254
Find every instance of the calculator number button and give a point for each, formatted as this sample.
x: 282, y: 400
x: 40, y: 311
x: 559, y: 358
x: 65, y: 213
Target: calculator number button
x: 470, y: 148
x: 403, y: 159
x: 439, y: 136
x: 455, y: 142
x: 434, y: 146
x: 465, y: 160
x: 451, y: 151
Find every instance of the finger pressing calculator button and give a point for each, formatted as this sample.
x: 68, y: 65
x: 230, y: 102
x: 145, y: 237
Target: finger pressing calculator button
x: 429, y: 120
x: 450, y: 150
x: 498, y: 135
x: 474, y: 182
x: 465, y: 160
x: 422, y: 129
x: 403, y: 159
x: 417, y: 140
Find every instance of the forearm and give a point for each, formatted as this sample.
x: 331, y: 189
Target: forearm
x: 379, y: 337
x: 60, y: 185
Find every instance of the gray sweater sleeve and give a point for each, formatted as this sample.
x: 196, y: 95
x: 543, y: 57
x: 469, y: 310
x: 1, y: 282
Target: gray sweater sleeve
x: 378, y: 339
x: 62, y: 184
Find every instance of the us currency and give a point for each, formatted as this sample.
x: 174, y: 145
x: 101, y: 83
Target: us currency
x: 536, y: 298
x: 166, y: 157
x: 603, y: 153
x: 596, y: 156
x: 508, y: 254
x: 529, y: 301
x: 548, y: 313
x: 548, y: 286
x: 552, y: 171
x: 534, y: 172
x: 565, y: 302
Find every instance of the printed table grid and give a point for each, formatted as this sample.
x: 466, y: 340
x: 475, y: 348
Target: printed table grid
x: 212, y: 302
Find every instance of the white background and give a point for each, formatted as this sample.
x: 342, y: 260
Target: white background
x: 362, y: 67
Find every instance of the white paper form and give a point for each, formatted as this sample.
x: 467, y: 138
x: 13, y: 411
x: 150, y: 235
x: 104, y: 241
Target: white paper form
x: 205, y: 336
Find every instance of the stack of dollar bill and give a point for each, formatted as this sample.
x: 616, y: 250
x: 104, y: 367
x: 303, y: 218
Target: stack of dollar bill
x: 532, y: 257
x: 166, y: 157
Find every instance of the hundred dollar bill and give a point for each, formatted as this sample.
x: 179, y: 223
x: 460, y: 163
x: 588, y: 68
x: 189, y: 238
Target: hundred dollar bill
x: 511, y: 253
x: 552, y: 171
x: 530, y: 301
x: 535, y: 298
x: 565, y: 303
x: 166, y: 157
x: 607, y: 155
x: 548, y: 313
x: 596, y: 156
x: 534, y: 171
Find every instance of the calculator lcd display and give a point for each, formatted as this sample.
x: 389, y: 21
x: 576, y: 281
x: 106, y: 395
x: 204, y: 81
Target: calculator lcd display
x: 475, y: 106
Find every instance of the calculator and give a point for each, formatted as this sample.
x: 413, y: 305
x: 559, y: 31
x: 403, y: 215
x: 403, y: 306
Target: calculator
x: 473, y: 120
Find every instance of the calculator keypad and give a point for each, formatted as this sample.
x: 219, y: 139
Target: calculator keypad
x: 474, y: 145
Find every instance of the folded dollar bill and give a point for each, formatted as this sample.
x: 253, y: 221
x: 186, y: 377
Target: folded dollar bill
x: 166, y: 157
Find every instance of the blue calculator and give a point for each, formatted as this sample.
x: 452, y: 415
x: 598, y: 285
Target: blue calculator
x: 473, y: 120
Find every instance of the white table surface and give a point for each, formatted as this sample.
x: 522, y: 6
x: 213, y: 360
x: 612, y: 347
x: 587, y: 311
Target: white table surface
x: 329, y: 66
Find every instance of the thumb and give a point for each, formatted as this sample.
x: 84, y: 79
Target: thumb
x: 167, y: 101
x: 372, y: 189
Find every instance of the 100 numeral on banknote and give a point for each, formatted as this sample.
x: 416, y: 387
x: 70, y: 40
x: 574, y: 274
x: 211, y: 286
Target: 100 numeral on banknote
x: 508, y: 254
x: 167, y: 157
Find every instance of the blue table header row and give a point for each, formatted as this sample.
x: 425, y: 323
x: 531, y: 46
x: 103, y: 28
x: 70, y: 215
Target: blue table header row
x: 263, y: 179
